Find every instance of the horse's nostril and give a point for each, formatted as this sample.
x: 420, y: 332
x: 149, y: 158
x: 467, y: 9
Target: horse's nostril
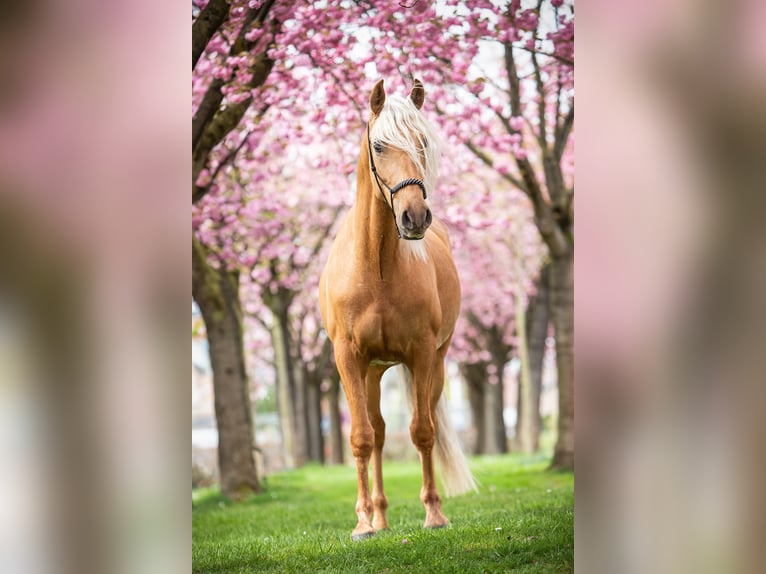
x: 406, y: 221
x: 429, y: 217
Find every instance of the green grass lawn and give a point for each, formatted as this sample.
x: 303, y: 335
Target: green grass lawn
x: 521, y: 521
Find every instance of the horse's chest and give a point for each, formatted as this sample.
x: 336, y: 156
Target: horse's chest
x: 385, y: 326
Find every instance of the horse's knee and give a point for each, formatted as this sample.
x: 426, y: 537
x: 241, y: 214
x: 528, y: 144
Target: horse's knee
x: 362, y: 443
x: 422, y: 434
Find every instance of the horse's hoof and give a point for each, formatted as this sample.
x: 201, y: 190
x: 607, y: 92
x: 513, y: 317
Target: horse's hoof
x: 435, y: 526
x: 362, y: 536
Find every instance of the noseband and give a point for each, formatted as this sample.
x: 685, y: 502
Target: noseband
x: 392, y: 190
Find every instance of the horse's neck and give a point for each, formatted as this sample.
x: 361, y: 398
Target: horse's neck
x: 376, y: 242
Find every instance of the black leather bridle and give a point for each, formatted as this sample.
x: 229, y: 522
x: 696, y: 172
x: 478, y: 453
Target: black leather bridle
x: 392, y: 190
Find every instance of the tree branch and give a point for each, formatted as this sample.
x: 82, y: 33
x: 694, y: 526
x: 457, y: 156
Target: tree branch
x: 485, y: 158
x: 211, y: 124
x: 542, y: 129
x: 542, y: 135
x: 562, y: 134
x: 561, y: 59
x: 546, y: 224
x: 487, y: 77
x: 489, y: 162
x: 513, y: 80
x: 225, y: 121
x: 213, y: 96
x: 207, y: 24
x: 206, y: 109
x: 221, y: 124
x: 200, y: 190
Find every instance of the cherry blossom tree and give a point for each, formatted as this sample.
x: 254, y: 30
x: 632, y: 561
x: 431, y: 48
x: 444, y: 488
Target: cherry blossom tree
x: 502, y: 77
x: 277, y: 99
x: 238, y: 98
x: 491, y: 224
x: 221, y: 36
x: 534, y: 104
x: 273, y: 233
x: 508, y: 96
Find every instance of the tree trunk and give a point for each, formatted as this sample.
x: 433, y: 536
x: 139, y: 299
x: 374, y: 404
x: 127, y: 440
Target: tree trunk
x: 298, y: 388
x: 475, y: 376
x: 494, y: 423
x: 536, y: 334
x: 314, y: 419
x: 291, y: 388
x: 284, y: 392
x: 497, y: 439
x: 336, y: 430
x: 217, y: 294
x: 486, y: 400
x: 562, y: 317
x: 525, y: 418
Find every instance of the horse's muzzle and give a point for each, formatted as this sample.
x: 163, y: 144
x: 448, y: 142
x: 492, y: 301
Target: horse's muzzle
x: 415, y: 223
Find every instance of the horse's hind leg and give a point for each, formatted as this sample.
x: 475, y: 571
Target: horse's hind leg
x: 379, y: 501
x: 352, y: 374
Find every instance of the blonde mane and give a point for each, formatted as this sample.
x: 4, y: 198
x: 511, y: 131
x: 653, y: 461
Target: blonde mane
x: 400, y: 125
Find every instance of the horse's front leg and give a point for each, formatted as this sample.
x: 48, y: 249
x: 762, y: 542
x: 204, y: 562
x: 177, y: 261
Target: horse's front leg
x: 425, y: 384
x: 379, y: 500
x: 352, y: 369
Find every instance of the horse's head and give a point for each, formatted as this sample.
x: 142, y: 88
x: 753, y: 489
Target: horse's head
x: 403, y: 152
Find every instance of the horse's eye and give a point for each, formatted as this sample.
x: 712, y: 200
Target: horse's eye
x: 378, y: 147
x: 424, y: 141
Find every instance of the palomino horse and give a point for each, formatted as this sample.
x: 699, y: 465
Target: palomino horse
x: 390, y: 295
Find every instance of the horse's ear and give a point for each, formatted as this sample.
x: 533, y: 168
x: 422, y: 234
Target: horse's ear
x: 418, y: 94
x: 377, y: 97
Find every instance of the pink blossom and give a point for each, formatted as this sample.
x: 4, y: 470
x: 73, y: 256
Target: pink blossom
x: 293, y: 176
x: 516, y: 123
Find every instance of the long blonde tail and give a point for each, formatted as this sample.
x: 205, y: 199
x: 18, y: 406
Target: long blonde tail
x: 452, y: 466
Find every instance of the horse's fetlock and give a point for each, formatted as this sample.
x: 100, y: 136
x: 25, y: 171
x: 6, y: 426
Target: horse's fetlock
x: 380, y: 502
x: 430, y: 498
x: 364, y: 511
